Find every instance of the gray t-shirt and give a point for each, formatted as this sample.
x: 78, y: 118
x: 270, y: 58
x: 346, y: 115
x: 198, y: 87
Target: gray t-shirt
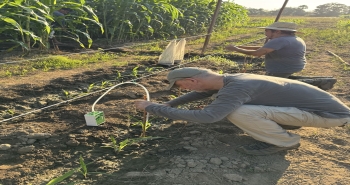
x: 243, y: 88
x: 288, y: 55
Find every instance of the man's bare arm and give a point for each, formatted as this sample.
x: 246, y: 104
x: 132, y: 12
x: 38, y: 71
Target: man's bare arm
x: 259, y: 52
x: 249, y: 47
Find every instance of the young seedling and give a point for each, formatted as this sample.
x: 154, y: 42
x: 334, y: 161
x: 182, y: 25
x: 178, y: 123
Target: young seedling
x: 127, y: 142
x: 62, y: 178
x: 66, y: 93
x: 149, y: 69
x: 114, y: 144
x: 83, y: 168
x: 104, y: 84
x: 8, y: 73
x: 11, y: 112
x: 91, y: 86
x: 119, y: 76
x: 135, y: 71
x: 144, y: 124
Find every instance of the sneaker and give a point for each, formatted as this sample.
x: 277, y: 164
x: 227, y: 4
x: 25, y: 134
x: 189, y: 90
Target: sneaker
x: 289, y: 127
x: 262, y: 148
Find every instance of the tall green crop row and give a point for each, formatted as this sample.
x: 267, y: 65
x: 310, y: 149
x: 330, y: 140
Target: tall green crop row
x: 26, y: 23
x: 136, y: 19
x: 146, y: 19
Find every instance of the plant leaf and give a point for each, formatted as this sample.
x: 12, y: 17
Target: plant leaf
x: 61, y: 178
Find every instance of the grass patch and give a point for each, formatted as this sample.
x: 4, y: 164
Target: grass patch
x: 56, y: 63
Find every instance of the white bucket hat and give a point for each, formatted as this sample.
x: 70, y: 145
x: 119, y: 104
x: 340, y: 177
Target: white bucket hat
x: 285, y: 26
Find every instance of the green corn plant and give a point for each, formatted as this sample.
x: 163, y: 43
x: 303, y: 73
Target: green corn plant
x: 149, y: 69
x: 91, y: 86
x: 104, y: 84
x: 83, y: 168
x: 66, y: 93
x: 119, y: 75
x: 114, y: 144
x: 127, y: 142
x: 62, y: 177
x: 135, y: 71
x: 144, y: 124
x: 8, y: 73
x: 10, y: 111
x: 25, y: 23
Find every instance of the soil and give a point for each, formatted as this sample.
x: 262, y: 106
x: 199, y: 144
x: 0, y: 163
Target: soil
x: 43, y: 145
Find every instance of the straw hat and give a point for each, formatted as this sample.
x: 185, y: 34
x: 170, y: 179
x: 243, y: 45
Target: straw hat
x: 285, y: 26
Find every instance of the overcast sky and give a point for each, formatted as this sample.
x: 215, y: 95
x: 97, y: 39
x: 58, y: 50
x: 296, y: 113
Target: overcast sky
x: 277, y: 4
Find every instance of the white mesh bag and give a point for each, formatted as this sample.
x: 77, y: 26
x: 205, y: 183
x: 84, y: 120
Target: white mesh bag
x: 168, y: 56
x: 180, y: 51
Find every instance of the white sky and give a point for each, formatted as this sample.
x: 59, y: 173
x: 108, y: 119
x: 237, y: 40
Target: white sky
x: 277, y: 4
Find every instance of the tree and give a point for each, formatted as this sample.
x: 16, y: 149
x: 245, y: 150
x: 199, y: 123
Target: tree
x: 303, y: 7
x: 331, y: 10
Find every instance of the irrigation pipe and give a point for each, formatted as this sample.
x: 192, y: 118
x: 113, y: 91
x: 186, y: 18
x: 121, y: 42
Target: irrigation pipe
x: 88, y: 94
x: 338, y: 57
x: 147, y: 95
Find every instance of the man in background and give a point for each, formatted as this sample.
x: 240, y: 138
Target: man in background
x: 284, y: 52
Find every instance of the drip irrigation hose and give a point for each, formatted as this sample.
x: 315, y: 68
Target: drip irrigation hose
x: 111, y: 88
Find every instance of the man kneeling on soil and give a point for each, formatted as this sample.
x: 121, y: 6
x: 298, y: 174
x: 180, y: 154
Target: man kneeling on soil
x: 259, y: 105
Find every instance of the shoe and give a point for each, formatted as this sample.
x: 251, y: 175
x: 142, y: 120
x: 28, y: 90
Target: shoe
x: 262, y: 148
x: 289, y: 127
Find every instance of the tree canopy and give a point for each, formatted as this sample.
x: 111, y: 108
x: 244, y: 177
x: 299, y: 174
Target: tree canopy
x: 324, y: 10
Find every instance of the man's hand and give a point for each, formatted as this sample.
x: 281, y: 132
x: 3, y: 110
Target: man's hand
x: 142, y: 104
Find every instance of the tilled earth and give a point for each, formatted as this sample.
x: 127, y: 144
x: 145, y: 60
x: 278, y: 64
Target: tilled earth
x: 43, y: 145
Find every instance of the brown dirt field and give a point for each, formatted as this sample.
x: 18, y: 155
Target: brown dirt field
x: 48, y: 143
